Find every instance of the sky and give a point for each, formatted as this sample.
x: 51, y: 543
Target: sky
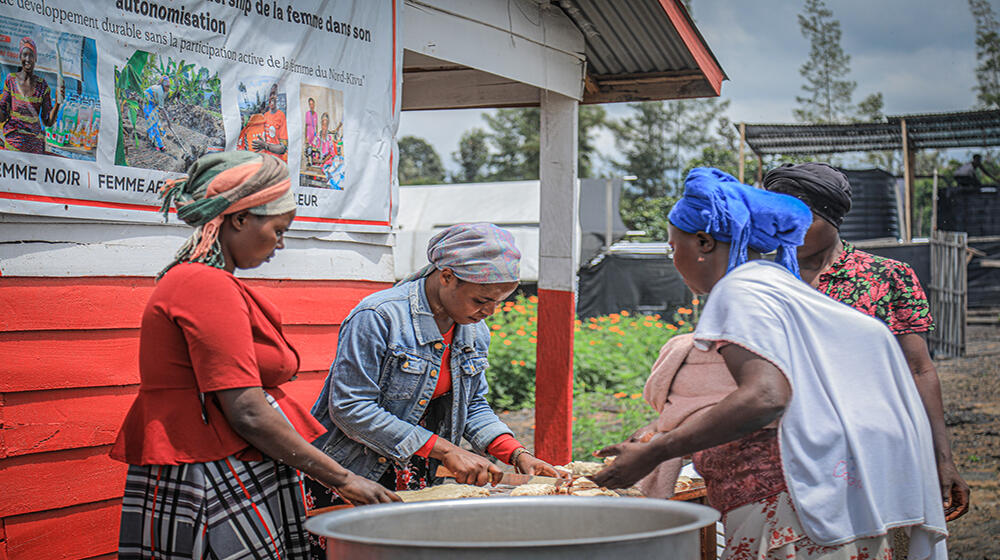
x: 919, y: 53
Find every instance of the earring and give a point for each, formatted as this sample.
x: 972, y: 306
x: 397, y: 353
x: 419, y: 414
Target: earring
x: 701, y: 259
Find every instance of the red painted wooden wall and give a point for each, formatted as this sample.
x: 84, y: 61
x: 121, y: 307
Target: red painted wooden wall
x: 68, y: 373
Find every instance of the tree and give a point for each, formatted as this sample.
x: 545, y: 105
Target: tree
x: 514, y: 143
x: 724, y: 153
x: 657, y: 139
x: 419, y: 164
x: 472, y: 156
x: 509, y: 149
x: 987, y: 54
x: 591, y: 118
x: 825, y: 73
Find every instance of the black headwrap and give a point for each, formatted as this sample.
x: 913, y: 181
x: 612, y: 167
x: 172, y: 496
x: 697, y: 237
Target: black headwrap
x: 825, y: 189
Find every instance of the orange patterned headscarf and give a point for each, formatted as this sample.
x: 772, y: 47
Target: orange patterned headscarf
x: 221, y: 184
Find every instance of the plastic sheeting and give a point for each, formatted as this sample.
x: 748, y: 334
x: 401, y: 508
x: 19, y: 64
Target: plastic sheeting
x: 639, y: 279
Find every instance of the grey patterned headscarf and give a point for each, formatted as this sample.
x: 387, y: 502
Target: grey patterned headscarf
x: 481, y: 253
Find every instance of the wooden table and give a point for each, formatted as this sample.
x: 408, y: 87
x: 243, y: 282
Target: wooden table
x: 708, y: 535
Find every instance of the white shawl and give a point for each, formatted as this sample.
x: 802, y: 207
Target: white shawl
x: 855, y: 440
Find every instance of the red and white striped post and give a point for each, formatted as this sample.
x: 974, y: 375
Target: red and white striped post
x: 557, y: 267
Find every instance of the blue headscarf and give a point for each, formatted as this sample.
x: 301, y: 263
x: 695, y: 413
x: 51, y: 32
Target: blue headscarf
x: 731, y: 212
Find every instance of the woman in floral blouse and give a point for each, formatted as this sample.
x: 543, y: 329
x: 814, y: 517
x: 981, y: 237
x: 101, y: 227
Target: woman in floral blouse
x: 882, y: 288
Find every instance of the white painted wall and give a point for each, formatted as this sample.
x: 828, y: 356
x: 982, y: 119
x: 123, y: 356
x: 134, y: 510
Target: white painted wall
x: 65, y: 247
x: 523, y: 40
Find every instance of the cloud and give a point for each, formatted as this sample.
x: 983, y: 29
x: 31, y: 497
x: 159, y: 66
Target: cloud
x: 919, y: 53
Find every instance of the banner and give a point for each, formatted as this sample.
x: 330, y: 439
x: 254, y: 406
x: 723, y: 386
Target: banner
x: 104, y: 100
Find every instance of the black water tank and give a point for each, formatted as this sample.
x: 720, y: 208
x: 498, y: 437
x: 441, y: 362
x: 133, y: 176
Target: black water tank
x: 873, y: 205
x: 974, y: 210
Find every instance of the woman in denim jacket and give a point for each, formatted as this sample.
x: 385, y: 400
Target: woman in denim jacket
x: 409, y: 379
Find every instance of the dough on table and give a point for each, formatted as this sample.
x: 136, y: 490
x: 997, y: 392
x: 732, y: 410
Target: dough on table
x: 584, y: 468
x: 630, y: 492
x: 444, y: 492
x: 534, y: 490
x: 583, y: 483
x: 595, y: 492
x: 683, y: 483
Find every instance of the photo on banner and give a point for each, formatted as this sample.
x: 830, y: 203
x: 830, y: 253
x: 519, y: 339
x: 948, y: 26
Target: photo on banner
x: 322, y: 164
x: 50, y: 102
x: 263, y: 125
x: 318, y: 87
x: 170, y: 112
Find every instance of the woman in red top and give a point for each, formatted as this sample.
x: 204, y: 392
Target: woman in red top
x: 212, y: 442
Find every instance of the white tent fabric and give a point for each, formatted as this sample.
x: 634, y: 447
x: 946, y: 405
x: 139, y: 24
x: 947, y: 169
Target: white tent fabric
x: 427, y: 209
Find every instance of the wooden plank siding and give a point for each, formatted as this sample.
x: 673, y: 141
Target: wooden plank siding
x: 68, y: 374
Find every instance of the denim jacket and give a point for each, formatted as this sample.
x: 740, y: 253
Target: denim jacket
x: 388, y: 357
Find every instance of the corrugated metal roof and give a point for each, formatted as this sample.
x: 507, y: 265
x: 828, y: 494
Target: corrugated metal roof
x: 643, y: 49
x: 925, y: 131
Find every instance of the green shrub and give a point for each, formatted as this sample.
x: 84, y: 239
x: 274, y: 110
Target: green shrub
x: 612, y: 356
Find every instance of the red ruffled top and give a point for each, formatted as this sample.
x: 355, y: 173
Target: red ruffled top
x: 203, y: 330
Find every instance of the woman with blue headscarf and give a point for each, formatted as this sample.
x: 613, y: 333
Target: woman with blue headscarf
x: 824, y: 449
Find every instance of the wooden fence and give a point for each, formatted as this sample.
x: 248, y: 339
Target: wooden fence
x: 948, y: 292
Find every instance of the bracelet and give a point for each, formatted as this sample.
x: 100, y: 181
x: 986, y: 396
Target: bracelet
x: 515, y: 455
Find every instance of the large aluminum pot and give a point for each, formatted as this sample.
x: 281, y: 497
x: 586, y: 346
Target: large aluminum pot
x: 544, y: 527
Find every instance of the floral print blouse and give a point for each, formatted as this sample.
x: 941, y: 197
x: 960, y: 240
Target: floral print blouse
x: 882, y: 288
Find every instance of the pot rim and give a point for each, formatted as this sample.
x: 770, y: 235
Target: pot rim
x: 703, y: 516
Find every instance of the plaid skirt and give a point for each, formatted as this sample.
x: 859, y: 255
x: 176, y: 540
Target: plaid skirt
x: 223, y: 509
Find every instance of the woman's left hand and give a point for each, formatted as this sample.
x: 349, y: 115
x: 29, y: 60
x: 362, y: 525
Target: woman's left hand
x: 529, y: 464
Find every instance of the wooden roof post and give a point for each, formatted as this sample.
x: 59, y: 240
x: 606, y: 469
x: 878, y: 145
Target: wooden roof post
x: 557, y: 267
x: 934, y: 203
x: 908, y: 162
x: 743, y: 139
x: 760, y: 171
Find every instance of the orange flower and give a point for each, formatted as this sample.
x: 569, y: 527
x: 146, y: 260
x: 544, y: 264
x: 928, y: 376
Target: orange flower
x: 695, y: 301
x: 534, y: 333
x: 671, y: 328
x: 635, y: 396
x: 593, y: 342
x: 657, y: 316
x: 520, y: 332
x: 620, y: 344
x: 619, y: 395
x: 624, y: 313
x: 501, y: 334
x: 578, y: 322
x: 592, y: 326
x: 520, y: 309
x: 659, y: 325
x: 533, y: 299
x: 532, y: 340
x: 683, y: 310
x: 507, y: 343
x: 647, y: 324
x: 513, y: 362
x: 495, y: 327
x: 680, y: 322
x: 523, y: 363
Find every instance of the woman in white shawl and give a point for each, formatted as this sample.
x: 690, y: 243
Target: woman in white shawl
x: 851, y: 461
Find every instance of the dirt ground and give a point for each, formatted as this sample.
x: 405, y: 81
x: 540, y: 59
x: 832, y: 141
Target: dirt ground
x: 185, y: 139
x: 971, y: 392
